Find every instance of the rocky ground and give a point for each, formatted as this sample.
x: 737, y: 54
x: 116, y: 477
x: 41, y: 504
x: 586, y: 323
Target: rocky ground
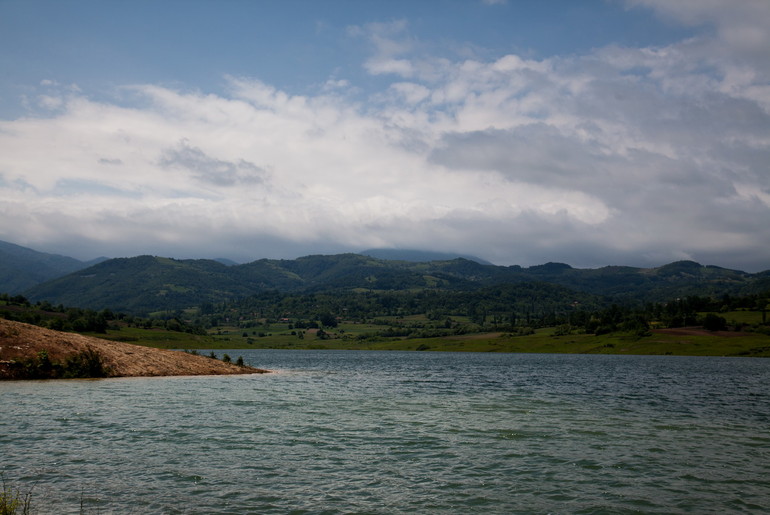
x: 23, y: 341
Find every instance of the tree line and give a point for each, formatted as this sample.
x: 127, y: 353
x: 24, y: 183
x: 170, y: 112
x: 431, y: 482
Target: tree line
x: 517, y: 309
x: 511, y: 308
x: 71, y: 319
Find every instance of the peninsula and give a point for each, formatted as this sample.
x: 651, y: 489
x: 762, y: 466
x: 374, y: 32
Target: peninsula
x: 23, y: 346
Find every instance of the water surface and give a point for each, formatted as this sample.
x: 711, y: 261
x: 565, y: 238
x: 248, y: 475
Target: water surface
x: 400, y: 432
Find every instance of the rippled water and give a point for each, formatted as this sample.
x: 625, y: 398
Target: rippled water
x: 392, y: 432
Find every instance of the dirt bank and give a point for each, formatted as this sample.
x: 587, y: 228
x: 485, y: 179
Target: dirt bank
x: 23, y: 341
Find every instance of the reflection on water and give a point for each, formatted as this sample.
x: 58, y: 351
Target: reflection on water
x: 392, y: 432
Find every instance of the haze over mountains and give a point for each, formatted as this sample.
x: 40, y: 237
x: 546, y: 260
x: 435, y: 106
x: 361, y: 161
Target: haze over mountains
x: 145, y: 284
x: 22, y: 268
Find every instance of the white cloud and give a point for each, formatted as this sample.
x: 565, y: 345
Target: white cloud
x: 621, y: 156
x: 49, y: 102
x: 412, y: 93
x: 389, y: 41
x: 380, y: 66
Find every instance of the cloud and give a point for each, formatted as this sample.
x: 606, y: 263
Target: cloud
x: 740, y: 39
x: 632, y: 156
x: 410, y: 92
x: 389, y: 42
x: 741, y: 26
x: 207, y: 169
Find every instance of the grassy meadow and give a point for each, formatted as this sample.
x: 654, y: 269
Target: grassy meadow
x: 364, y: 336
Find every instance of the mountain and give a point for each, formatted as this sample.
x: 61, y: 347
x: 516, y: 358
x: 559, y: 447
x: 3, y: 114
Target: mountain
x: 418, y: 256
x: 142, y: 284
x: 146, y: 284
x: 22, y: 268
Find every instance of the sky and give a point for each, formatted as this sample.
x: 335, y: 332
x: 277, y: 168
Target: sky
x: 594, y: 133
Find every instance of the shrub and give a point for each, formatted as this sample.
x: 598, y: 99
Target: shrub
x: 84, y: 364
x: 87, y: 363
x: 712, y: 322
x: 13, y: 501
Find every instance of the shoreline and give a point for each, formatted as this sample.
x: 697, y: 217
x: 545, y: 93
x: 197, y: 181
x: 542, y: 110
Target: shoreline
x: 29, y: 345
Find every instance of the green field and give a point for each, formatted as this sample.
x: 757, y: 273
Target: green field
x: 358, y: 336
x: 743, y: 317
x: 158, y: 338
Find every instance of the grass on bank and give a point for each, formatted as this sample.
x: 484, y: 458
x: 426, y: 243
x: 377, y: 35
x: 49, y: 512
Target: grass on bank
x: 544, y: 341
x: 357, y: 336
x: 12, y: 500
x: 158, y: 338
x: 87, y: 363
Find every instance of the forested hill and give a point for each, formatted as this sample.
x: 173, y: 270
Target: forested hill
x: 21, y: 267
x: 144, y: 284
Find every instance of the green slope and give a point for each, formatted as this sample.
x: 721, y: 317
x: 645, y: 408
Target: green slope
x: 145, y: 283
x: 21, y: 267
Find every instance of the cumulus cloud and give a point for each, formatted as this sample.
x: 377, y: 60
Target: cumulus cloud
x: 620, y: 156
x: 210, y: 170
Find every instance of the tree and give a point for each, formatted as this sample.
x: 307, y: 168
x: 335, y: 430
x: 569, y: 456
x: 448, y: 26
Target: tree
x: 327, y: 320
x: 712, y: 322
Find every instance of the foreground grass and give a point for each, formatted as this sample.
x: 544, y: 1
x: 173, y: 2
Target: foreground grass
x: 12, y: 500
x: 543, y: 341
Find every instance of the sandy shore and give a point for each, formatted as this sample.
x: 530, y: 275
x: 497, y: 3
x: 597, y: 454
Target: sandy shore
x: 19, y: 341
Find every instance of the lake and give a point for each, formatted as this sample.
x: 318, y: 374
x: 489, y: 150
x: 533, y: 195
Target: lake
x: 400, y: 432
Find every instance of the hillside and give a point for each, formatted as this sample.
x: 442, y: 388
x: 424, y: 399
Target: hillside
x: 20, y: 341
x: 418, y: 256
x: 22, y: 268
x: 141, y: 284
x: 147, y: 284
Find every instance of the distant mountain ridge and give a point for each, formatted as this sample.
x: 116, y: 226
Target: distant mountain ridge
x: 146, y: 284
x: 418, y: 256
x: 22, y: 268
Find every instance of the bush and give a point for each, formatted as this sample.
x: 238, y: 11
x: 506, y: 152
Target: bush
x: 81, y: 365
x: 605, y: 329
x: 12, y: 501
x: 87, y: 363
x: 712, y: 322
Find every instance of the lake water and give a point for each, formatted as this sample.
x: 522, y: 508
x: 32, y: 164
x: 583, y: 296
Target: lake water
x: 398, y: 432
